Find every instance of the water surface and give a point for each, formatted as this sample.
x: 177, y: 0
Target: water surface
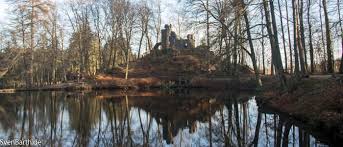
x: 107, y: 118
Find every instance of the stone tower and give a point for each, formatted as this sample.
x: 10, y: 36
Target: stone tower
x: 190, y: 41
x: 165, y: 33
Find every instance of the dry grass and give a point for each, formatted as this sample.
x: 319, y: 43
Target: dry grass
x: 106, y: 81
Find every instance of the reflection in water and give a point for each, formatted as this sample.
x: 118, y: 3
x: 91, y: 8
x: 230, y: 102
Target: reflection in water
x: 99, y: 119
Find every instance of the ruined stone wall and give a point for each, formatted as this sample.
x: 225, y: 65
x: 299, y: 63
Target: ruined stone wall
x: 171, y: 41
x: 181, y: 44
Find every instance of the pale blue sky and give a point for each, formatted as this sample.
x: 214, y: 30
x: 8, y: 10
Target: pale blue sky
x: 169, y: 12
x: 167, y: 7
x: 3, y: 11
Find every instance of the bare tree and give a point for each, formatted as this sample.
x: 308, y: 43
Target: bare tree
x: 252, y: 50
x: 289, y: 39
x: 158, y: 20
x: 341, y: 28
x: 310, y: 35
x: 330, y: 61
x: 99, y: 29
x: 144, y: 16
x: 283, y: 34
x: 273, y: 37
x: 302, y: 45
x: 295, y: 29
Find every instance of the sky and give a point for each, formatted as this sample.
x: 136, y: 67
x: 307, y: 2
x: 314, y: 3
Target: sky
x: 168, y: 7
x: 169, y: 12
x: 3, y: 11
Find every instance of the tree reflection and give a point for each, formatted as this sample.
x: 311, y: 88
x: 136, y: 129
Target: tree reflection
x: 257, y: 130
x: 88, y: 119
x: 82, y: 117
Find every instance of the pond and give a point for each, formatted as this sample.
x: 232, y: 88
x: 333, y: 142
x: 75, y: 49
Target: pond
x: 115, y: 118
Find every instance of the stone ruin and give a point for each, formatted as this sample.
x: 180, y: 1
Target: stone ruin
x: 170, y: 40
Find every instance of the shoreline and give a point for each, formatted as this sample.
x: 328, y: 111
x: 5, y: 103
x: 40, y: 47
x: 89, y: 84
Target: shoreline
x: 111, y: 83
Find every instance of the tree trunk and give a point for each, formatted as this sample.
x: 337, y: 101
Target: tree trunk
x: 283, y: 36
x: 159, y: 21
x: 236, y: 42
x: 310, y: 35
x: 322, y: 35
x: 273, y: 37
x: 140, y: 44
x: 100, y: 53
x: 263, y: 48
x: 29, y: 76
x: 127, y: 65
x: 303, y: 55
x: 328, y: 40
x: 252, y: 52
x: 207, y: 26
x: 149, y: 44
x: 289, y: 39
x: 295, y: 29
x: 340, y: 24
x: 81, y: 52
x: 276, y: 49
